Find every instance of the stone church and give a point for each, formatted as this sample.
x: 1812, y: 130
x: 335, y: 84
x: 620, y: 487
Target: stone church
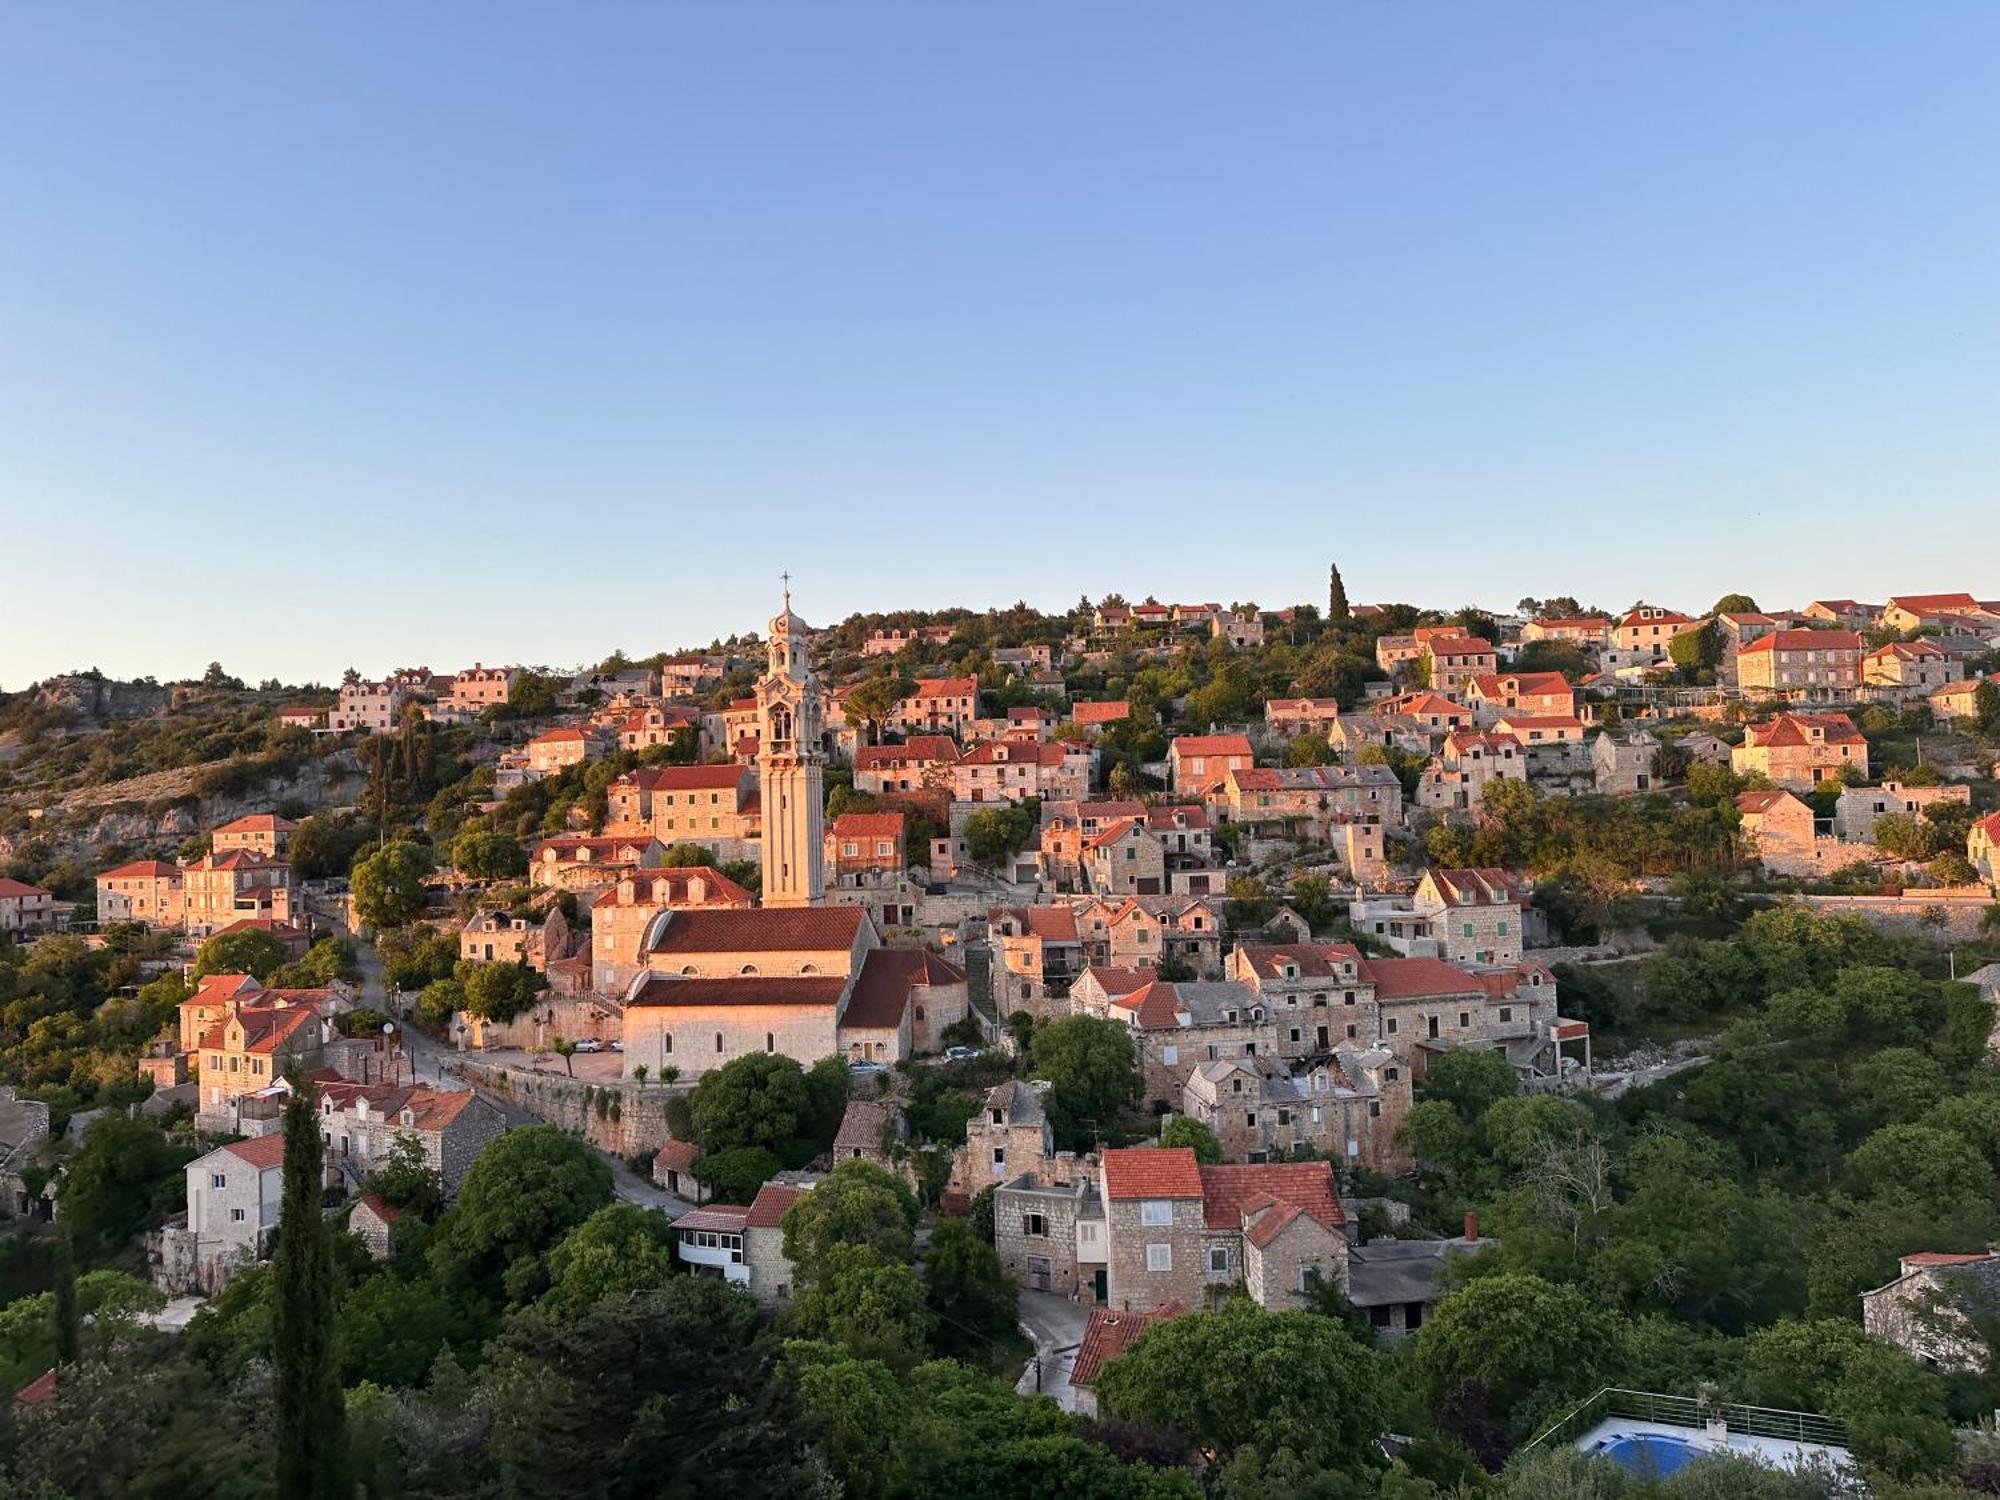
x: 794, y: 975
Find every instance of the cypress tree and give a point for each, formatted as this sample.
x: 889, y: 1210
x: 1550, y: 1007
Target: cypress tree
x: 69, y: 1325
x: 311, y: 1410
x: 1336, y: 596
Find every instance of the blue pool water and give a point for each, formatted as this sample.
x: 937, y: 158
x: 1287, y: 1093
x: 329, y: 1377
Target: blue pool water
x: 1649, y: 1454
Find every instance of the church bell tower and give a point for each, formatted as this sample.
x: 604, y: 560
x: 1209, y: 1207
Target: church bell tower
x: 791, y: 768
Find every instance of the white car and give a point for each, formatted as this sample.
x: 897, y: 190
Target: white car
x: 862, y: 1068
x: 960, y: 1054
x: 590, y: 1044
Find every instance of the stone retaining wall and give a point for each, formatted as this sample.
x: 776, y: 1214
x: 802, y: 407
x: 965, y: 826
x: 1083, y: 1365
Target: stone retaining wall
x: 622, y: 1118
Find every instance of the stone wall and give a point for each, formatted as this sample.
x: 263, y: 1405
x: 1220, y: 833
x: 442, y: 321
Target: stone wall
x: 623, y: 1119
x: 1963, y: 909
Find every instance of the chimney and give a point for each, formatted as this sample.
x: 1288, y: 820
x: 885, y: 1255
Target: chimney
x: 1471, y: 1227
x: 697, y: 889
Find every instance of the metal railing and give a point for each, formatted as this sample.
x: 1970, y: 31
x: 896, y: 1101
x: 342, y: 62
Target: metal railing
x: 1691, y: 1411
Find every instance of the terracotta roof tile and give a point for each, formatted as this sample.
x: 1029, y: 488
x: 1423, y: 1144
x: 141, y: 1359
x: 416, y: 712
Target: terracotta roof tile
x: 1227, y: 1192
x: 1151, y: 1172
x: 823, y: 929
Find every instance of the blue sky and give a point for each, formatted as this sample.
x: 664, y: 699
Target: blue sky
x: 381, y: 334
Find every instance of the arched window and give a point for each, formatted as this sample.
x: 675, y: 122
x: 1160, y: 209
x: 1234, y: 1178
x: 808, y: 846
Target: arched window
x: 747, y: 969
x: 687, y: 970
x: 808, y: 968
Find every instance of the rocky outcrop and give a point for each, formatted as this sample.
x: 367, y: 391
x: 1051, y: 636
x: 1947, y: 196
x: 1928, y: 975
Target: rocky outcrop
x: 100, y: 698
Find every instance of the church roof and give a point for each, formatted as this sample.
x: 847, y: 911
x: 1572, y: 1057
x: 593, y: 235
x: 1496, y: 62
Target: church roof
x: 760, y: 930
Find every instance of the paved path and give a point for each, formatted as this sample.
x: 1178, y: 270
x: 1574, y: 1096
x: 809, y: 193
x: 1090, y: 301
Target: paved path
x: 1055, y: 1325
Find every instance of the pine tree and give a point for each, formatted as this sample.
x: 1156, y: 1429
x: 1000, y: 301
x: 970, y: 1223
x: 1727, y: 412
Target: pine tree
x: 311, y: 1414
x: 1336, y: 596
x: 69, y: 1325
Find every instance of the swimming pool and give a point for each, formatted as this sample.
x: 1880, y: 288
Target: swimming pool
x: 1651, y: 1455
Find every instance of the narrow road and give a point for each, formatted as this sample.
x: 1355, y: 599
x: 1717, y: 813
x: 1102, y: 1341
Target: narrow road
x: 1055, y: 1326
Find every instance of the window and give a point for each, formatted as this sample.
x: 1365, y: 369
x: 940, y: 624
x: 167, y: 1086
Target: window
x: 718, y: 1041
x: 236, y: 1216
x: 1170, y: 1055
x: 667, y: 1041
x: 1235, y: 1085
x: 1034, y: 1224
x: 1464, y: 1018
x: 1502, y: 929
x: 1159, y: 1257
x: 216, y: 1179
x: 1156, y: 1211
x: 1218, y: 1258
x: 1284, y: 1117
x: 1250, y: 1118
x: 770, y: 1042
x: 1392, y: 1074
x: 1391, y: 1025
x: 1506, y: 1012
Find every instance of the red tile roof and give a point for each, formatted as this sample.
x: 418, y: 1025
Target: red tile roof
x: 1119, y: 981
x: 1940, y: 1258
x: 259, y: 823
x: 881, y: 995
x: 1793, y: 730
x: 143, y: 869
x: 686, y: 778
x: 1314, y: 960
x: 761, y: 930
x: 680, y: 1156
x: 767, y: 1210
x: 1100, y: 713
x: 1802, y: 640
x: 1413, y: 978
x: 381, y: 1207
x: 675, y: 883
x: 1934, y: 604
x: 259, y: 1151
x: 266, y: 1028
x: 12, y: 887
x: 946, y: 687
x: 1459, y: 645
x: 1156, y: 1006
x: 1152, y: 1172
x: 1211, y: 744
x: 1108, y: 1334
x: 1228, y: 1192
x: 867, y: 825
x: 1052, y: 924
x: 739, y: 989
x: 38, y: 1391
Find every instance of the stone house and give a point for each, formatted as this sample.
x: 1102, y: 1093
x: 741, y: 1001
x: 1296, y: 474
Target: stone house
x: 621, y: 917
x: 1198, y: 762
x: 742, y: 1244
x: 1622, y: 764
x: 1179, y: 1232
x: 1982, y: 848
x: 1313, y: 799
x: 1139, y: 932
x: 1958, y: 700
x: 234, y: 1195
x: 1242, y: 631
x: 372, y: 1220
x: 865, y: 865
x: 145, y: 890
x: 891, y: 639
x: 1911, y: 669
x: 1932, y: 1308
x: 1051, y: 1235
x: 372, y: 707
x: 1010, y: 1136
x: 1645, y: 632
x: 1493, y: 696
x: 1456, y: 660
x: 1038, y: 955
x: 1288, y: 718
x: 1126, y: 859
x: 921, y: 765
x: 1433, y: 713
x: 1857, y: 807
x: 261, y: 833
x: 480, y: 687
x: 362, y: 1123
x: 1592, y: 632
x: 1475, y: 916
x: 1177, y: 1026
x: 873, y: 1130
x: 1106, y: 1336
x: 1779, y: 831
x: 1798, y: 751
x: 940, y: 705
x: 717, y: 807
x: 1015, y: 770
x: 250, y: 1047
x: 558, y: 749
x: 219, y: 888
x: 1257, y: 1107
x: 1457, y: 779
x: 1392, y: 651
x: 1803, y: 665
x: 494, y: 937
x: 657, y: 724
x: 1397, y: 1282
x: 585, y: 863
x: 1908, y: 612
x: 1848, y: 614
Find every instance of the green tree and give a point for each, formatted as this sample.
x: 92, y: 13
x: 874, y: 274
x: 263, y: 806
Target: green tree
x: 1470, y: 1081
x: 857, y: 1204
x: 248, y: 952
x: 68, y: 1321
x: 126, y: 1175
x: 533, y: 694
x: 388, y: 886
x: 1093, y: 1075
x: 971, y: 1299
x: 993, y: 833
x: 310, y: 1411
x: 1337, y: 610
x: 733, y: 1176
x: 523, y: 1194
x: 620, y: 1250
x: 1241, y: 1376
x: 406, y: 1180
x: 1986, y: 707
x: 484, y: 854
x: 498, y: 992
x: 1185, y: 1130
x: 1514, y: 1347
x: 1735, y: 604
x: 867, y: 1303
x: 760, y: 1099
x: 564, y: 1048
x: 874, y: 698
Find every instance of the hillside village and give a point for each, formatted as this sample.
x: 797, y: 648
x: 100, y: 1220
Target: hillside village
x: 1042, y: 991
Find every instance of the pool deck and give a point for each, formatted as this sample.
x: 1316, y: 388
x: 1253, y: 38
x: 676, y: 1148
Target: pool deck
x: 1779, y: 1452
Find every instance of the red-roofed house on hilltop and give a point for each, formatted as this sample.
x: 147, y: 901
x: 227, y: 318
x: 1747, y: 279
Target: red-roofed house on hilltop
x: 621, y: 916
x: 743, y: 1244
x: 558, y: 749
x: 1911, y: 669
x: 1456, y: 659
x: 717, y: 807
x: 1179, y: 1232
x: 1982, y: 848
x: 145, y: 890
x: 1907, y: 612
x: 234, y: 1194
x: 261, y: 833
x: 1644, y: 632
x: 28, y: 908
x: 940, y: 705
x: 1798, y: 751
x: 1198, y: 762
x: 1498, y: 695
x: 361, y: 1124
x: 1803, y: 665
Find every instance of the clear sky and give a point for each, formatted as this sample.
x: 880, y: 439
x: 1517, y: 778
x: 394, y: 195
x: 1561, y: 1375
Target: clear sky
x: 380, y: 334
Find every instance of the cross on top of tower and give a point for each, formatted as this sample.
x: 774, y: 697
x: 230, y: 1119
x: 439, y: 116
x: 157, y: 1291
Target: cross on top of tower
x: 787, y: 576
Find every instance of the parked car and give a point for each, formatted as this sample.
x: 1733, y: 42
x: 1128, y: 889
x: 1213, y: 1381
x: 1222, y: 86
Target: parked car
x: 590, y: 1044
x: 960, y: 1054
x: 617, y: 1046
x: 861, y: 1068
